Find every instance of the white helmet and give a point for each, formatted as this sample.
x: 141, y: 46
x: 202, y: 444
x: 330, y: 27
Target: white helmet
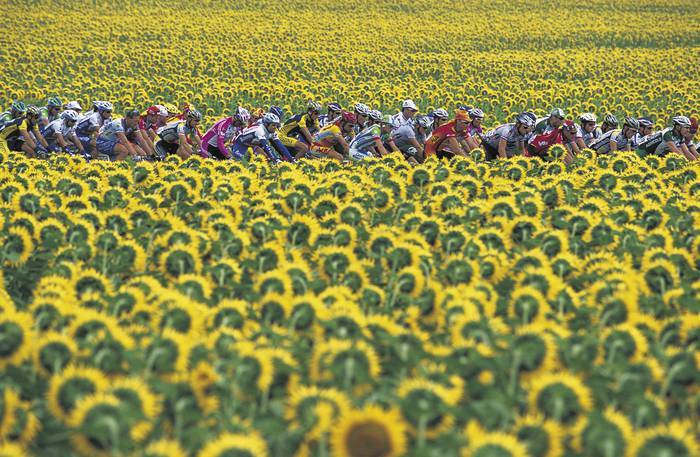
x: 73, y: 105
x: 270, y: 118
x: 69, y: 115
x: 587, y: 117
x: 313, y: 106
x: 162, y: 110
x: 242, y: 115
x: 475, y: 112
x: 683, y: 121
x: 525, y: 119
x: 103, y: 106
x: 425, y: 121
x: 376, y: 115
x: 441, y: 113
x: 362, y: 109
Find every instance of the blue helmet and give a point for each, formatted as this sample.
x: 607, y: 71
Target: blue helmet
x: 277, y: 111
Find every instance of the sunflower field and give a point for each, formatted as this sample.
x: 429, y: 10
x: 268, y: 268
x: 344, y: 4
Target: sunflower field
x: 516, y: 308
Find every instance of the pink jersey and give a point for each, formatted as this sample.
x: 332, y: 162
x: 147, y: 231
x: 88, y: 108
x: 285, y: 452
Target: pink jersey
x: 222, y: 132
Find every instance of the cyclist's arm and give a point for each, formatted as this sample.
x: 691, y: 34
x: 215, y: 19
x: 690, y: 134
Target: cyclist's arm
x: 343, y: 143
x: 454, y: 145
x: 61, y: 140
x: 672, y: 146
x: 502, y: 143
x: 465, y: 143
x: 40, y: 137
x: 307, y: 135
x: 125, y: 141
x: 686, y: 152
x: 417, y: 145
x: 182, y: 140
x: 27, y: 138
x: 392, y: 145
x: 580, y: 143
x: 142, y: 140
x: 693, y: 150
x: 76, y: 141
x: 380, y: 147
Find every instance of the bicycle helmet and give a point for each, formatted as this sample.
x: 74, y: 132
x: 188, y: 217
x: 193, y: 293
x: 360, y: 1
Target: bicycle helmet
x: 361, y: 109
x: 69, y: 115
x: 277, y: 111
x: 557, y: 112
x: 349, y: 117
x: 242, y: 115
x: 461, y: 115
x: 464, y: 107
x: 424, y: 121
x: 74, y: 105
x: 388, y: 119
x: 18, y: 108
x: 313, y: 106
x: 270, y: 118
x: 171, y: 109
x: 610, y: 120
x: 33, y: 111
x: 103, y: 106
x: 570, y: 126
x: 525, y: 119
x: 631, y: 123
x: 440, y: 114
x: 693, y: 125
x: 194, y: 114
x: 645, y: 122
x: 153, y: 110
x: 682, y: 121
x: 476, y: 112
x: 54, y: 102
x: 335, y: 107
x: 587, y: 117
x: 376, y: 115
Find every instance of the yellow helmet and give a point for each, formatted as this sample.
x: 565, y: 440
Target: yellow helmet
x: 172, y: 109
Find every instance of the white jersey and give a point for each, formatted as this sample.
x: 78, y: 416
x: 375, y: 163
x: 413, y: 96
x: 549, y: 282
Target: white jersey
x: 508, y: 132
x: 56, y: 127
x: 255, y: 135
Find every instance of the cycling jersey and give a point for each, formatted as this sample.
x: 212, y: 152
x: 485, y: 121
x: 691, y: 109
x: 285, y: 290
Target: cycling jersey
x: 256, y: 136
x: 54, y: 128
x: 588, y: 137
x: 111, y: 127
x: 88, y: 123
x: 222, y: 132
x: 475, y: 131
x: 170, y: 132
x: 324, y: 120
x: 293, y: 125
x: 361, y: 144
x: 602, y: 144
x: 656, y: 143
x: 403, y: 135
x: 46, y: 116
x: 145, y: 124
x: 509, y: 132
x: 326, y: 137
x: 436, y: 143
x: 397, y: 120
x: 538, y: 145
x: 11, y: 130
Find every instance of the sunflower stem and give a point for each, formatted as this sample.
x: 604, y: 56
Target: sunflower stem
x: 422, y: 424
x: 514, y: 372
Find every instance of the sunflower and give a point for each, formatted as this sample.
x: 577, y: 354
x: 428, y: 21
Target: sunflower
x: 344, y: 362
x: 70, y: 385
x: 484, y: 443
x: 370, y: 431
x: 164, y: 448
x: 304, y: 405
x: 53, y: 351
x: 425, y: 406
x: 17, y: 337
x: 543, y: 438
x: 9, y: 400
x: 100, y: 426
x: 12, y: 450
x: 559, y: 396
x: 168, y: 354
x: 144, y: 406
x: 676, y: 439
x: 181, y: 259
x: 238, y: 444
x: 18, y: 245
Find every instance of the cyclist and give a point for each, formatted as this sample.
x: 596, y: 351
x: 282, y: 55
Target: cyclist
x: 361, y: 114
x: 50, y: 112
x: 16, y: 134
x: 90, y: 123
x: 610, y: 122
x: 670, y: 139
x: 508, y: 140
x: 408, y: 112
x: 333, y: 111
x: 259, y: 138
x: 449, y: 140
x: 215, y: 141
x: 256, y: 115
x: 297, y: 133
x: 646, y: 128
x: 173, y: 112
x: 61, y: 131
x: 440, y: 116
x: 113, y: 138
x: 538, y: 145
x: 586, y: 131
x: 16, y: 111
x: 475, y: 130
x: 550, y: 123
x: 689, y: 138
x: 330, y: 140
x: 368, y: 142
x: 410, y: 138
x: 617, y: 139
x: 386, y: 134
x: 150, y: 122
x: 180, y: 136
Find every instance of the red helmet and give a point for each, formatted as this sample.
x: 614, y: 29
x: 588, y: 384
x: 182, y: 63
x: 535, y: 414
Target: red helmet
x: 347, y: 116
x: 570, y: 126
x: 153, y: 110
x: 693, y: 125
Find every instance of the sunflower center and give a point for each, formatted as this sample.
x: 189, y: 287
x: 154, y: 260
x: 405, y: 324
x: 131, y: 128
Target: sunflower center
x: 368, y: 439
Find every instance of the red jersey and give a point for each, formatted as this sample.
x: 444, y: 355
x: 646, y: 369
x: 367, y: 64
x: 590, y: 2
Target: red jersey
x: 539, y: 144
x: 144, y: 124
x: 438, y: 137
